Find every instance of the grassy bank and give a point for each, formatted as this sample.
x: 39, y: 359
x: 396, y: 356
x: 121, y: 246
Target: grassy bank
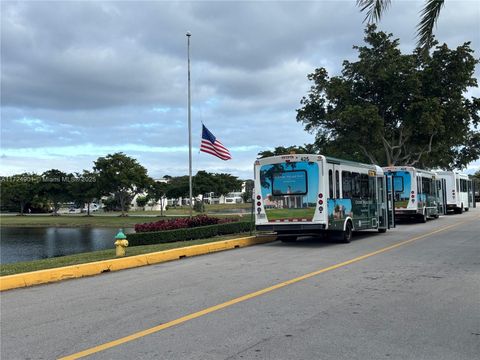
x: 75, y: 220
x: 113, y: 219
x: 20, y: 267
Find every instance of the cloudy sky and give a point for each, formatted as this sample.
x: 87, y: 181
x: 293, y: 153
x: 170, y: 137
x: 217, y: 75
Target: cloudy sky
x: 84, y: 79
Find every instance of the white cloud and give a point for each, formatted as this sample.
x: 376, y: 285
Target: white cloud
x: 83, y: 79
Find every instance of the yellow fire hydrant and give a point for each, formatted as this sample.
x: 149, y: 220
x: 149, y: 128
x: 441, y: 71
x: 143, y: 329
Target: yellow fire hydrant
x: 121, y: 243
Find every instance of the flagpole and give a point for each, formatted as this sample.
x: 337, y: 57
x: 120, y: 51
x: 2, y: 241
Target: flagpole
x: 189, y: 128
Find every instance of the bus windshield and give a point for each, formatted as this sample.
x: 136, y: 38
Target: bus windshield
x: 398, y: 183
x: 402, y: 183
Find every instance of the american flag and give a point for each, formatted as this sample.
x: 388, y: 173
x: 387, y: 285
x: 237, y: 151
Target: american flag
x: 211, y: 145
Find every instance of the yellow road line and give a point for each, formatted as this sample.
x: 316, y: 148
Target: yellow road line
x: 237, y: 300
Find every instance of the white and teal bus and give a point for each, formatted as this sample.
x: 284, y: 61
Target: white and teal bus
x: 301, y: 194
x: 416, y: 192
x: 459, y: 191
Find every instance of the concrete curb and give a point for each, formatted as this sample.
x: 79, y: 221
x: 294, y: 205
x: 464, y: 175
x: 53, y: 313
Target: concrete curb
x: 94, y: 268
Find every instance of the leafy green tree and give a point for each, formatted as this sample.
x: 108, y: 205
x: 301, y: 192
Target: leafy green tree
x: 178, y: 187
x: 220, y: 184
x: 55, y: 186
x: 204, y: 182
x: 226, y: 183
x: 429, y: 17
x: 121, y: 176
x: 111, y: 203
x: 389, y: 108
x: 142, y: 201
x: 19, y: 190
x: 84, y: 189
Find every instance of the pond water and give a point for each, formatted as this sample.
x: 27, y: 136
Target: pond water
x: 230, y: 211
x: 30, y: 243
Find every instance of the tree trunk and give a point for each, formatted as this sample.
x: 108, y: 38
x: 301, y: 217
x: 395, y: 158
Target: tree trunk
x: 122, y: 204
x: 56, y: 206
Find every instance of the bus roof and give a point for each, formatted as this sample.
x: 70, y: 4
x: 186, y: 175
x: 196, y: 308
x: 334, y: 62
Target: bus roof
x: 317, y: 157
x: 408, y: 168
x: 453, y: 173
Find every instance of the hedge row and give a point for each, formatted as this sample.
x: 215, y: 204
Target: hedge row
x: 159, y: 237
x: 180, y: 223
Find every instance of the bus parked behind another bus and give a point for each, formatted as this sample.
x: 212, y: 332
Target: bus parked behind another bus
x: 416, y: 192
x: 300, y: 194
x: 459, y: 191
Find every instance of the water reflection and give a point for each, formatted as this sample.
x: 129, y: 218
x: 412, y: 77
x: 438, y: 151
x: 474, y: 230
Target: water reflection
x: 25, y: 244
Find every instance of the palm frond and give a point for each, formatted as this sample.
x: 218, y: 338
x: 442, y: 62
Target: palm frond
x: 374, y: 8
x: 429, y: 14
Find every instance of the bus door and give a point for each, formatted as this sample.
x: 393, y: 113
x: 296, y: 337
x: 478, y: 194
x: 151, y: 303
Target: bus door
x: 470, y: 194
x: 382, y: 203
x: 441, y: 186
x: 475, y: 192
x: 335, y: 204
x: 390, y: 191
x: 333, y: 181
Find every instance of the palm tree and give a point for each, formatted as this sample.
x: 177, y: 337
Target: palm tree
x: 429, y: 17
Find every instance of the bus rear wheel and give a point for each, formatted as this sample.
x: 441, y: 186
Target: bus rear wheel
x: 346, y: 235
x: 423, y: 217
x: 382, y: 230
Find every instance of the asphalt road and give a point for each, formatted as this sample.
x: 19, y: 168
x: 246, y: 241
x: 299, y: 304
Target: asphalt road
x: 417, y: 300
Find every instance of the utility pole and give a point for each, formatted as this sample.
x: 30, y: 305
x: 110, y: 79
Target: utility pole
x: 189, y: 127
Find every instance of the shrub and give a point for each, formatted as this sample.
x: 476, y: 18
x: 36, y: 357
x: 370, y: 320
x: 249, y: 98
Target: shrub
x: 180, y: 223
x: 199, y: 206
x: 183, y: 234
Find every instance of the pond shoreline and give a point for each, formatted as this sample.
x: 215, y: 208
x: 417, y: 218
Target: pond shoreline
x: 82, y: 258
x: 29, y: 243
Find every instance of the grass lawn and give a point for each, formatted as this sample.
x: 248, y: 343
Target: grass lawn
x: 97, y: 220
x: 75, y: 220
x: 20, y: 267
x: 113, y: 219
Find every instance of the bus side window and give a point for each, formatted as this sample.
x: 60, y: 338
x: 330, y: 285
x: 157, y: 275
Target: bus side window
x: 356, y: 187
x: 330, y: 184
x: 337, y: 183
x: 364, y: 187
x: 346, y: 185
x: 426, y: 187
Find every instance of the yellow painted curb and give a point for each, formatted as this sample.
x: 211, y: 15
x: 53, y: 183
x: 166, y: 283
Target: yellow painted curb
x: 94, y: 268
